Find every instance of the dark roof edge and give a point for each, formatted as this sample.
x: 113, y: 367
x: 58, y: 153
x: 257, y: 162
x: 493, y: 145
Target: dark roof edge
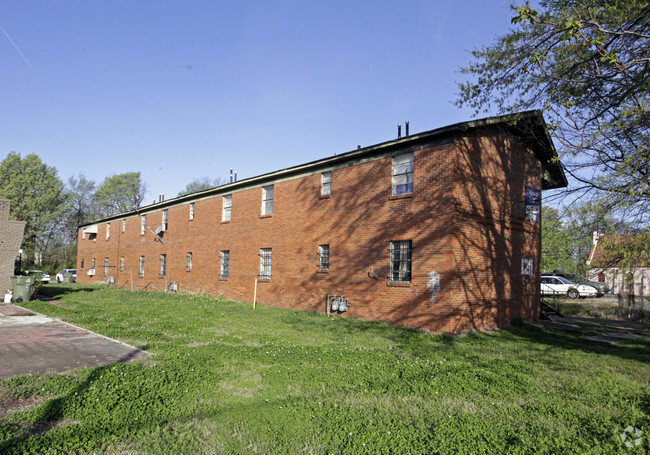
x: 521, y: 124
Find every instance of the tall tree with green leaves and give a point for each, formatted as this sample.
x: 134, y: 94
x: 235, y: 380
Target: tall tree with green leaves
x: 120, y: 193
x: 586, y: 63
x: 37, y: 197
x: 203, y: 183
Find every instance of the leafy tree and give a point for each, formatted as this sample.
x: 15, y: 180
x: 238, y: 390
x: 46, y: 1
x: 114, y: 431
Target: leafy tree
x: 37, y: 197
x: 81, y: 203
x: 587, y: 64
x: 557, y: 249
x: 120, y: 193
x: 203, y: 183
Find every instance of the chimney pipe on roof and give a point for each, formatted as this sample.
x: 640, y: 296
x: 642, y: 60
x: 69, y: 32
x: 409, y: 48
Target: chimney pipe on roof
x: 407, y: 128
x: 399, y: 130
x: 235, y: 176
x: 230, y: 175
x: 163, y: 197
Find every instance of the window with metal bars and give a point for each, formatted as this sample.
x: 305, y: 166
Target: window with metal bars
x: 225, y: 264
x: 267, y: 200
x: 141, y: 271
x: 108, y: 231
x: 192, y: 207
x: 323, y: 257
x: 189, y: 261
x: 163, y: 264
x: 227, y: 208
x: 326, y: 184
x: 165, y: 219
x: 400, y: 261
x: 105, y: 266
x: 122, y: 263
x: 143, y: 224
x: 403, y: 167
x: 265, y: 264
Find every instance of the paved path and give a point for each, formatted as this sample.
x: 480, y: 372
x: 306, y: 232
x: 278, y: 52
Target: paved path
x: 31, y: 342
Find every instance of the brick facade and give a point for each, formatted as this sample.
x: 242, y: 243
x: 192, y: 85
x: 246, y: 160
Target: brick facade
x: 11, y: 237
x: 465, y: 219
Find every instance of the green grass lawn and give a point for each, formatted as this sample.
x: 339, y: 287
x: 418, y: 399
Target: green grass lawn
x: 225, y: 378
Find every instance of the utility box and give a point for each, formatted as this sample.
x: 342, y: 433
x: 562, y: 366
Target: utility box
x: 23, y: 288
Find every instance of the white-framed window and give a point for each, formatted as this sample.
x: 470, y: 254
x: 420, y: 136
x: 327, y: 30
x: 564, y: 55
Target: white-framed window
x: 122, y: 263
x: 143, y: 224
x: 123, y: 225
x: 323, y: 257
x: 226, y: 210
x: 141, y: 271
x: 225, y: 264
x: 189, y: 261
x: 326, y: 183
x: 265, y: 264
x: 163, y: 264
x: 105, y: 266
x: 400, y: 261
x: 192, y: 207
x: 403, y: 166
x: 165, y: 219
x: 82, y: 264
x: 267, y: 200
x: 108, y: 231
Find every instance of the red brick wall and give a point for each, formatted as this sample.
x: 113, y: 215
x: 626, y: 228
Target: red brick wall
x: 464, y: 220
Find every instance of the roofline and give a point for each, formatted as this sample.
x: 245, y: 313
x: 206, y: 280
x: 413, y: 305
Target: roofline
x: 528, y: 125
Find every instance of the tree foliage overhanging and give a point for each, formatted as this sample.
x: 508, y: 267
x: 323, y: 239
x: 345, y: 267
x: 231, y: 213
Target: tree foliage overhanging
x: 587, y: 64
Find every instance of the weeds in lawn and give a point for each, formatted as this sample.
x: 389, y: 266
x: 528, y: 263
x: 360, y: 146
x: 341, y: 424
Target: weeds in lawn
x: 226, y: 378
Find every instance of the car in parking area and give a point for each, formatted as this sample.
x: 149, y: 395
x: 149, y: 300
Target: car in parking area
x: 601, y: 288
x: 557, y: 286
x: 39, y: 275
x: 59, y: 276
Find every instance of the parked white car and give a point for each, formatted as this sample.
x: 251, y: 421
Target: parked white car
x: 59, y: 276
x: 558, y: 286
x: 39, y: 275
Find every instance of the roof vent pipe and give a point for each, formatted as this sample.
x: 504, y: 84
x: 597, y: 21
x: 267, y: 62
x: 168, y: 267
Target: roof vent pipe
x: 399, y: 130
x: 407, y: 128
x: 163, y: 197
x: 230, y: 175
x: 235, y: 176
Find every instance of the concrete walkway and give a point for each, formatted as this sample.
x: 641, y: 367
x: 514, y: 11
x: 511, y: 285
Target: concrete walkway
x: 34, y: 343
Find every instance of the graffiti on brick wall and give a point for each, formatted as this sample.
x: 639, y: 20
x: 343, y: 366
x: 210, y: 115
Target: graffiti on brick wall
x: 433, y: 285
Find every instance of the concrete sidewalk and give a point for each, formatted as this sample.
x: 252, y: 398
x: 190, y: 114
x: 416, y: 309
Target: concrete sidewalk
x: 34, y: 343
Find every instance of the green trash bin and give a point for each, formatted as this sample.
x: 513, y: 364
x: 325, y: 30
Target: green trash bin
x: 23, y: 288
x: 67, y: 278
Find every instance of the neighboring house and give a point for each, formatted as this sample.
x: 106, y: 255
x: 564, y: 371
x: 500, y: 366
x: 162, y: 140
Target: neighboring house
x: 438, y: 230
x: 11, y: 237
x: 605, y: 267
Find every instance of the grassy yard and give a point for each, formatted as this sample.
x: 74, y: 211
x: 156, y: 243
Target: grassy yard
x: 225, y: 378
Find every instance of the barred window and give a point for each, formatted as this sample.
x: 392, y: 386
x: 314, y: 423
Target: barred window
x: 105, y: 266
x: 163, y: 264
x: 403, y: 174
x: 400, y: 261
x: 82, y: 264
x: 93, y: 264
x: 225, y: 264
x: 165, y: 219
x: 122, y: 263
x: 265, y: 264
x: 143, y: 224
x: 227, y: 208
x: 189, y: 261
x: 267, y: 200
x: 324, y: 257
x: 192, y: 207
x: 108, y: 231
x: 141, y: 272
x: 326, y: 184
x: 123, y: 225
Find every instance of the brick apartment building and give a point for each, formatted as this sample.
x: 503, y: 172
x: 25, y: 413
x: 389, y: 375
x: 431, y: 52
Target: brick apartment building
x: 438, y: 230
x: 11, y: 237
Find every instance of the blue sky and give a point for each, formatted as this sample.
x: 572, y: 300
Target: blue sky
x: 182, y: 90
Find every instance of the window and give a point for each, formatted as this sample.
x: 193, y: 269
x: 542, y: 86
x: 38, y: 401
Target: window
x: 326, y: 184
x: 225, y: 264
x: 265, y: 264
x: 93, y: 264
x: 400, y: 261
x: 165, y: 219
x: 163, y: 264
x: 189, y: 261
x: 143, y: 225
x: 92, y: 236
x: 403, y: 174
x: 141, y: 272
x: 123, y: 225
x: 267, y: 200
x: 323, y: 257
x: 105, y: 266
x: 82, y: 264
x: 122, y: 263
x: 192, y: 211
x: 108, y: 231
x: 226, y: 208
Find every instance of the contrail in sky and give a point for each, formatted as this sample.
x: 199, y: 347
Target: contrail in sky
x: 16, y: 47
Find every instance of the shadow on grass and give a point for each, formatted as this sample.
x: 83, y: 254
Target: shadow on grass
x: 57, y: 290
